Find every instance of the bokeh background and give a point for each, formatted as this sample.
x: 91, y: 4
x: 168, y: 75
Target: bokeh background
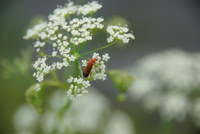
x: 157, y: 25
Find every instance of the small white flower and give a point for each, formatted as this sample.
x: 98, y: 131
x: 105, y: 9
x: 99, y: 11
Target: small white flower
x: 60, y: 35
x: 65, y: 37
x: 72, y: 58
x: 110, y: 39
x: 75, y: 33
x: 37, y: 87
x: 70, y: 80
x: 54, y: 53
x: 106, y: 57
x: 95, y: 55
x: 38, y: 44
x: 84, y: 63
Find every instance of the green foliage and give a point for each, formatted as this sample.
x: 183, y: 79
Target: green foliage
x: 19, y: 66
x: 122, y: 81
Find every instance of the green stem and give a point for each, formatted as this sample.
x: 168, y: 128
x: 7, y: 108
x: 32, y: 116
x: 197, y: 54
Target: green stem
x: 48, y: 83
x: 52, y: 83
x: 98, y: 49
x: 82, y: 57
x: 75, y: 48
x: 64, y: 109
x: 49, y: 41
x: 43, y: 54
x: 77, y: 68
x: 76, y: 61
x: 54, y: 75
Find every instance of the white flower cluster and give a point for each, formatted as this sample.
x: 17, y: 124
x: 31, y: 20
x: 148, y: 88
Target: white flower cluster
x: 42, y: 68
x: 89, y: 8
x: 81, y: 29
x: 38, y: 44
x: 61, y: 37
x: 78, y: 87
x: 120, y: 33
x: 167, y: 82
x: 58, y: 20
x: 35, y: 30
x: 77, y: 31
x: 99, y: 69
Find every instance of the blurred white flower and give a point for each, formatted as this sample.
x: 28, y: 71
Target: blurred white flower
x: 89, y: 114
x: 174, y: 106
x: 25, y: 119
x: 86, y: 114
x: 167, y: 82
x: 119, y: 123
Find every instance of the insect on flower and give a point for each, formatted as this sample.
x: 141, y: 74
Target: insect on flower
x: 88, y: 68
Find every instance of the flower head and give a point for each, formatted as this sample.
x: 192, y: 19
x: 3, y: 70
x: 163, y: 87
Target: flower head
x: 78, y: 87
x: 60, y: 39
x: 120, y: 33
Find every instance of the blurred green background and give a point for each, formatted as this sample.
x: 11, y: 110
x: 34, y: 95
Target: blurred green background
x: 157, y: 25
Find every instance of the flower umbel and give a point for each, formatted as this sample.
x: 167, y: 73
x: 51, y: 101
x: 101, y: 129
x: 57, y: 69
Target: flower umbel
x: 120, y: 33
x: 60, y: 39
x: 78, y: 86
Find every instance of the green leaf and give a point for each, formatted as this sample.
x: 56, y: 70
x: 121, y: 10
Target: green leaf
x: 122, y: 81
